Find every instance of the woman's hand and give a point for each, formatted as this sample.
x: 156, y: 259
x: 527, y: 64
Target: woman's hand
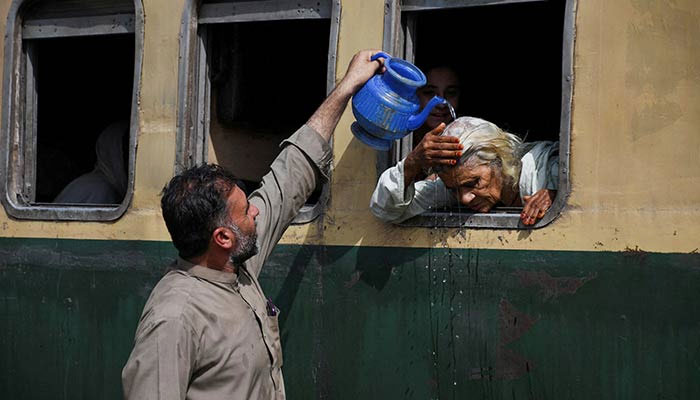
x: 432, y: 151
x: 537, y: 205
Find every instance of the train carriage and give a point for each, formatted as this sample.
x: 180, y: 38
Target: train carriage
x: 599, y: 299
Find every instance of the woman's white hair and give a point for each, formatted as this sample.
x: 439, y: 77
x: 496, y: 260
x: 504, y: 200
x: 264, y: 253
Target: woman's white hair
x: 486, y: 143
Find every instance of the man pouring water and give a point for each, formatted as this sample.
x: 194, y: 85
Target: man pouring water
x: 207, y: 330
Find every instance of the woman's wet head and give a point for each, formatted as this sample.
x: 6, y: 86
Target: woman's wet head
x: 441, y: 81
x: 489, y: 163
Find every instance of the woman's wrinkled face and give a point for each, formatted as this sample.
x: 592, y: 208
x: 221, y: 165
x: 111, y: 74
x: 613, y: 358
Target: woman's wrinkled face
x: 443, y: 82
x: 478, y: 187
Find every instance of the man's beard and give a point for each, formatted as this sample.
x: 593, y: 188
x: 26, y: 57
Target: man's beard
x: 246, y: 246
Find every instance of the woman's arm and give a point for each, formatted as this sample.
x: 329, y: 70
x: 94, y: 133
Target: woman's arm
x: 402, y: 191
x: 394, y: 202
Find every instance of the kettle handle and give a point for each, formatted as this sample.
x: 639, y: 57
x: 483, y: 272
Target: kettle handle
x: 380, y: 54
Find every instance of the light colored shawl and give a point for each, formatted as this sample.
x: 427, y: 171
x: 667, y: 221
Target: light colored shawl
x: 107, y: 183
x: 540, y: 168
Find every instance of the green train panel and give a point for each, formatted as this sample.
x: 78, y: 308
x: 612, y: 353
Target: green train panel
x: 377, y: 323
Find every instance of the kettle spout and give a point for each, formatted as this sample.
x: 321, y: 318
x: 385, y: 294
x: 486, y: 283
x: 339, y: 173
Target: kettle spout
x: 415, y: 121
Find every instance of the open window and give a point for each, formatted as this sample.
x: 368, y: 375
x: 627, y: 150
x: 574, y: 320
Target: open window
x: 243, y: 86
x: 514, y: 62
x: 70, y: 89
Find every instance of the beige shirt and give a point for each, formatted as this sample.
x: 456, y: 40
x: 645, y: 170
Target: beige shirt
x: 208, y: 334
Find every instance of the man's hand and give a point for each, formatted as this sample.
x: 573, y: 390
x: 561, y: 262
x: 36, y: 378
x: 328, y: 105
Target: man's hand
x: 432, y: 151
x: 326, y: 117
x: 359, y: 71
x: 537, y: 205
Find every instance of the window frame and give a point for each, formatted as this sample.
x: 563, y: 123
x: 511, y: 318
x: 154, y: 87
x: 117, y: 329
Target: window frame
x: 398, y: 41
x: 18, y: 170
x: 194, y: 86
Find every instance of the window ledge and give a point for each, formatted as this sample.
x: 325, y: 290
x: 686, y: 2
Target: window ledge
x: 499, y: 219
x: 65, y: 212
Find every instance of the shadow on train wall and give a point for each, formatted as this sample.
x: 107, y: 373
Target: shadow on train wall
x: 366, y: 322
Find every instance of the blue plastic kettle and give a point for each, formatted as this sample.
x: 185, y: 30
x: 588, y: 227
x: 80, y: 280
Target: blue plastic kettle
x: 387, y: 108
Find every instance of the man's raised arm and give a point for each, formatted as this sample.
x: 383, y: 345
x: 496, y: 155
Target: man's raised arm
x: 304, y: 161
x: 326, y: 117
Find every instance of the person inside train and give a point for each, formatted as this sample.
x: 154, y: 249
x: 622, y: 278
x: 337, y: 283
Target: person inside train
x: 107, y: 183
x: 490, y: 167
x: 443, y: 81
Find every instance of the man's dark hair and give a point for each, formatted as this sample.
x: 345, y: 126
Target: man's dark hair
x: 194, y: 204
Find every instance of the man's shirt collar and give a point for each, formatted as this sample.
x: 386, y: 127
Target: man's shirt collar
x: 205, y: 273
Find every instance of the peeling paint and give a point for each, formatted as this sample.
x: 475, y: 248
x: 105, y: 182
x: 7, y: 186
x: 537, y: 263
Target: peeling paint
x: 512, y: 325
x: 550, y: 287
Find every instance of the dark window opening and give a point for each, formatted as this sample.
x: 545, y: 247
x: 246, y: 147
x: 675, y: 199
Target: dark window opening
x: 509, y: 60
x: 267, y: 78
x: 83, y: 85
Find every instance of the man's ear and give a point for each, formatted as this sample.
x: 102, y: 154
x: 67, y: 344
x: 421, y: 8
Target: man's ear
x: 224, y: 237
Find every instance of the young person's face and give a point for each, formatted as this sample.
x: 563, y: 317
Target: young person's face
x: 443, y: 82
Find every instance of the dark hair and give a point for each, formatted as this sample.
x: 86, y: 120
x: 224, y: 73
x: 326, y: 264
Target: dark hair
x: 194, y: 203
x: 426, y: 68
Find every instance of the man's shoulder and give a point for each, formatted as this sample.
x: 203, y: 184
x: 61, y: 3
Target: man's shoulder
x: 172, y: 297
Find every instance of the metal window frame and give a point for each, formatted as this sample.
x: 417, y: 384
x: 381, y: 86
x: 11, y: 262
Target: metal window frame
x: 78, y: 26
x: 18, y: 133
x: 194, y: 86
x: 398, y: 43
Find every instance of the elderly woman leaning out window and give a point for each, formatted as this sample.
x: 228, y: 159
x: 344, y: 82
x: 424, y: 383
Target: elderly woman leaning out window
x: 478, y: 165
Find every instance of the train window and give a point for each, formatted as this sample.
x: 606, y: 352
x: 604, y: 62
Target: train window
x: 242, y: 96
x: 69, y: 125
x: 513, y: 59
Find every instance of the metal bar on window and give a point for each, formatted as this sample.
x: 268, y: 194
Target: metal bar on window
x: 406, y: 143
x: 502, y: 220
x: 567, y: 83
x: 333, y: 46
x: 80, y: 8
x: 187, y: 76
x: 392, y: 36
x: 79, y: 26
x: 30, y: 118
x: 392, y: 14
x: 203, y: 100
x: 422, y: 5
x: 248, y: 11
x: 308, y: 212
